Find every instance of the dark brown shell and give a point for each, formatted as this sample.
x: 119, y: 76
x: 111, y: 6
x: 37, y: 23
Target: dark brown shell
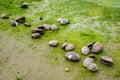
x: 42, y: 27
x: 24, y: 5
x: 37, y: 31
x: 64, y: 45
x: 14, y: 23
x: 27, y: 25
x: 20, y: 19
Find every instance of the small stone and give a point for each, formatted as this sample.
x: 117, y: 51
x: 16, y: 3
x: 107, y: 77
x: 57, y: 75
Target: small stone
x: 92, y: 67
x: 107, y: 60
x: 27, y: 25
x: 85, y: 50
x: 4, y: 16
x: 72, y: 56
x: 64, y: 21
x: 46, y: 26
x: 14, y: 23
x: 97, y: 47
x: 53, y: 27
x: 64, y: 45
x: 66, y: 69
x: 24, y: 5
x: 53, y: 43
x: 35, y: 35
x: 20, y: 19
x: 69, y: 47
x: 88, y: 61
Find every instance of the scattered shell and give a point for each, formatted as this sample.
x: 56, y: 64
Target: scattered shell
x: 24, y: 5
x: 35, y: 35
x: 14, y: 23
x: 72, y: 56
x: 85, y: 50
x: 63, y: 21
x: 97, y: 47
x: 27, y: 25
x: 46, y: 26
x: 37, y: 31
x: 64, y: 45
x: 53, y: 27
x: 92, y: 67
x: 69, y: 47
x: 90, y: 45
x: 42, y: 27
x: 53, y: 43
x: 107, y: 60
x: 20, y: 19
x: 4, y: 16
x: 59, y: 19
x: 88, y: 61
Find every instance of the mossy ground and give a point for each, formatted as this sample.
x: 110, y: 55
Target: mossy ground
x: 22, y: 58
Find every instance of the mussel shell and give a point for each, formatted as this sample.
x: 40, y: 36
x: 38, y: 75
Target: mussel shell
x: 97, y: 48
x: 85, y: 50
x: 72, y: 56
x: 64, y: 21
x: 42, y: 27
x: 69, y: 47
x: 35, y: 35
x: 88, y: 61
x: 92, y: 67
x: 64, y: 45
x: 20, y: 19
x: 53, y: 43
x: 107, y: 63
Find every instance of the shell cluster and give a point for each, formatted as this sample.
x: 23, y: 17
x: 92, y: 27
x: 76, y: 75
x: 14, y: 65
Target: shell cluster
x: 89, y: 63
x: 21, y: 20
x: 40, y: 30
x: 94, y: 47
